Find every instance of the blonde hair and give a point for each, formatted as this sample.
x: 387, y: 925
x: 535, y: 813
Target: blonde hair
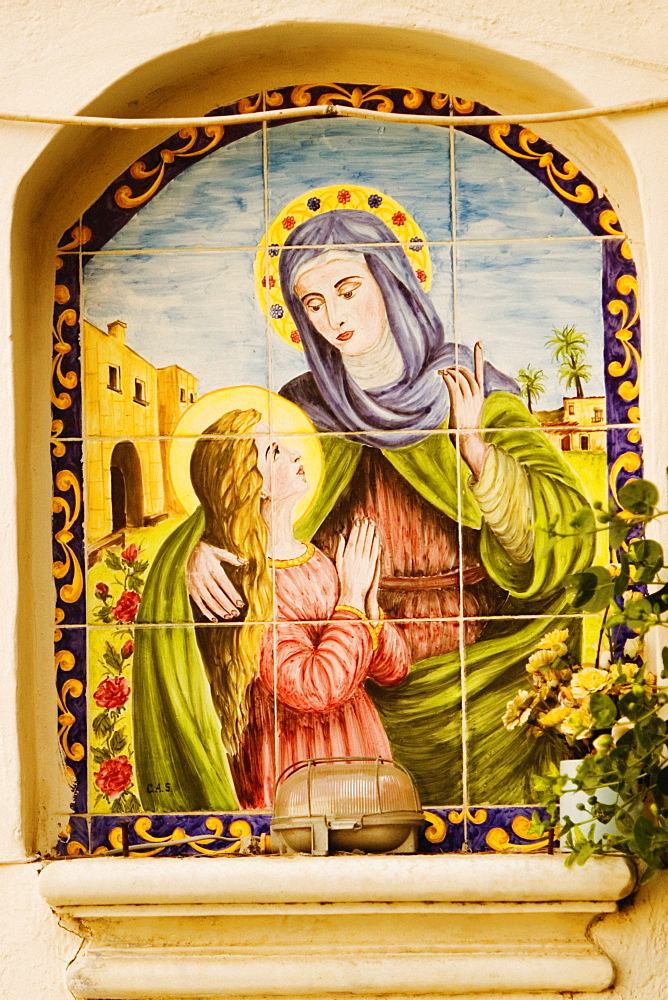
x: 228, y: 484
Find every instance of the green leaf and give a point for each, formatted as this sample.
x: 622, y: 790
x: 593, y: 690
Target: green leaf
x: 632, y: 705
x: 100, y: 754
x: 117, y: 805
x: 647, y: 555
x: 622, y: 580
x: 102, y: 725
x: 112, y: 656
x: 117, y: 742
x: 112, y: 560
x: 618, y: 531
x: 643, y: 834
x: 583, y: 521
x: 134, y: 582
x: 639, y: 496
x: 140, y: 566
x: 636, y: 613
x: 603, y: 710
x: 585, y: 852
x: 130, y: 802
x: 591, y: 590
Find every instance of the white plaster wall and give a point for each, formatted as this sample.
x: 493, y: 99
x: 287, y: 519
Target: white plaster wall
x: 142, y: 57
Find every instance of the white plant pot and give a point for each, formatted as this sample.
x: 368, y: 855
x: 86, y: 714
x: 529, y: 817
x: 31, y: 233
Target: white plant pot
x: 568, y: 804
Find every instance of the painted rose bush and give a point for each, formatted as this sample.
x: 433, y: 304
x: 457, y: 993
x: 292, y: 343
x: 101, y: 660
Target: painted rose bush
x: 111, y: 750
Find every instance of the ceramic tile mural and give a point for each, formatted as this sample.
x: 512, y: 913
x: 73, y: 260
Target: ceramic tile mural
x: 326, y: 397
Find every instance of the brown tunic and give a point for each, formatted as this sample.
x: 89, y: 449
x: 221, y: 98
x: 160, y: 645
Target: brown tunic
x: 420, y: 571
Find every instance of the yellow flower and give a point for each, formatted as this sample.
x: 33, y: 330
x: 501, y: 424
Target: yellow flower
x: 589, y: 679
x: 553, y: 718
x: 628, y: 671
x: 579, y: 724
x: 518, y: 710
x: 541, y: 658
x: 555, y: 641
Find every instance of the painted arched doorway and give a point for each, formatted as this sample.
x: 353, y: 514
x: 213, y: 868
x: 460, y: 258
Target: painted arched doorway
x: 127, y: 504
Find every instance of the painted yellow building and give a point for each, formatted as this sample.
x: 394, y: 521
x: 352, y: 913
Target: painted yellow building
x: 582, y: 425
x: 129, y: 407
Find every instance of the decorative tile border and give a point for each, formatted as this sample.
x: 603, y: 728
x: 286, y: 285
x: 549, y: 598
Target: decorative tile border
x: 502, y: 828
x: 73, y: 838
x: 70, y: 662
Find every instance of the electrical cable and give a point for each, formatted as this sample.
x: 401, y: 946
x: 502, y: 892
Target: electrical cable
x: 338, y: 111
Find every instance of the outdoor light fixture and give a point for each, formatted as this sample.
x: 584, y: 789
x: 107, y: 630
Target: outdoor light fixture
x: 334, y: 804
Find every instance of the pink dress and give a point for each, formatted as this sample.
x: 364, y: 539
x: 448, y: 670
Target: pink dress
x: 313, y: 665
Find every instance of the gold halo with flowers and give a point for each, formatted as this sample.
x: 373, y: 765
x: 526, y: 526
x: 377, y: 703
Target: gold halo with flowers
x: 326, y: 199
x: 285, y: 419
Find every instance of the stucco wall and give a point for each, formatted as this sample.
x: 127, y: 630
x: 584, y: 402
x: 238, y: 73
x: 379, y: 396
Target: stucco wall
x: 147, y: 57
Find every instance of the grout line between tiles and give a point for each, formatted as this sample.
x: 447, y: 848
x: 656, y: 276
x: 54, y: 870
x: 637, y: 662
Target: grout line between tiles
x: 458, y: 473
x: 326, y: 621
x: 270, y: 382
x: 84, y: 466
x: 195, y: 249
x: 544, y: 428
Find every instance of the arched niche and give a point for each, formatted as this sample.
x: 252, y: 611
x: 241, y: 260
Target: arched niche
x: 153, y: 173
x: 47, y: 200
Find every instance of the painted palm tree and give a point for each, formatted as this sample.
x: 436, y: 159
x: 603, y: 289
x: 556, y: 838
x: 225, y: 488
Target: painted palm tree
x: 569, y: 346
x: 532, y: 381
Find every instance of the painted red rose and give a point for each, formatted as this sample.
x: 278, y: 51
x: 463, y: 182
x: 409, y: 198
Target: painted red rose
x: 288, y: 222
x: 127, y: 649
x: 126, y: 608
x: 399, y: 219
x: 112, y: 692
x: 114, y: 776
x: 130, y: 554
x: 101, y: 589
x: 295, y: 338
x: 343, y: 197
x: 422, y: 276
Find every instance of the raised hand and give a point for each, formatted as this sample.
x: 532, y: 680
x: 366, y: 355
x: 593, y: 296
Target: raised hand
x: 209, y: 585
x: 357, y: 565
x: 467, y: 398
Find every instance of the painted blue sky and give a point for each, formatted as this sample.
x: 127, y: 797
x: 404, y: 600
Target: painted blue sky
x: 200, y: 309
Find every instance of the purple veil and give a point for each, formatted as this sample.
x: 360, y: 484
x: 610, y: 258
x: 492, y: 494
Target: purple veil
x: 393, y: 415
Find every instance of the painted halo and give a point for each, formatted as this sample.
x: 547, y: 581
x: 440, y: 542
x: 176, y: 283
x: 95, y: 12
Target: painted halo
x: 326, y: 199
x: 284, y: 418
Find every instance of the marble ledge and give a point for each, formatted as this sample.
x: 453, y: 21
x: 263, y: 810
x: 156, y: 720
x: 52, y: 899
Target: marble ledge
x: 449, y: 926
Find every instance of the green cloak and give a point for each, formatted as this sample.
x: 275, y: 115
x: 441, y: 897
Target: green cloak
x: 177, y: 733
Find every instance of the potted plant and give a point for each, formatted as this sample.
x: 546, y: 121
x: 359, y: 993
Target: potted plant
x: 609, y: 713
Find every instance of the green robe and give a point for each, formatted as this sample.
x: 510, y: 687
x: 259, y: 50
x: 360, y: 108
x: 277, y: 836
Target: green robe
x: 177, y: 733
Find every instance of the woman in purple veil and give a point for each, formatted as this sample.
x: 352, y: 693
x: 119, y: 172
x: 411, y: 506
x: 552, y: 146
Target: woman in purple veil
x: 465, y: 526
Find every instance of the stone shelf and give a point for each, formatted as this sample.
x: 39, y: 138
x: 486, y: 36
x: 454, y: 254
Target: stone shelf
x: 448, y: 926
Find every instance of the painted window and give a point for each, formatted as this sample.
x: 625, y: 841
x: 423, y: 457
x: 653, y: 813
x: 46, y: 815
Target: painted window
x: 114, y: 378
x: 375, y: 402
